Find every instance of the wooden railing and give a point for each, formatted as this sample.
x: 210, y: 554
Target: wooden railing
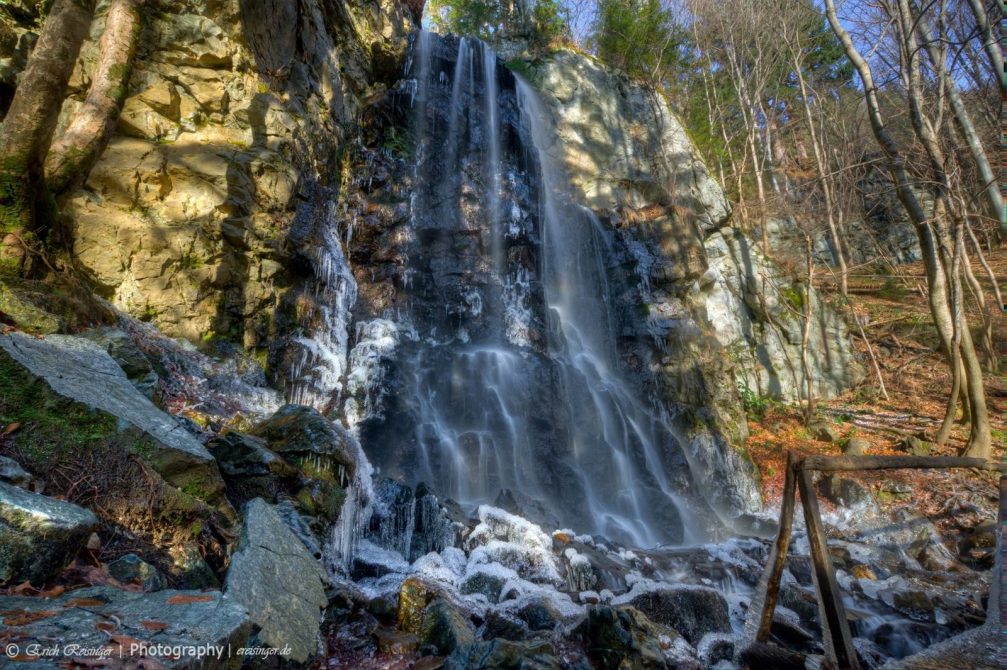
x: 836, y: 636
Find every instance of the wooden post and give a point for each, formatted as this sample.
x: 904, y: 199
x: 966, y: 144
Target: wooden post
x: 835, y: 629
x: 770, y: 582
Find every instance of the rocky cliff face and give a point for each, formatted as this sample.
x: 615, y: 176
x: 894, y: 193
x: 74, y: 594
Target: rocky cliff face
x: 199, y: 216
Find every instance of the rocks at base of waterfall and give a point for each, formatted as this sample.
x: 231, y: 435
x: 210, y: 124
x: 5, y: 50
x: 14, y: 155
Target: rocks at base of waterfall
x: 977, y: 546
x: 77, y: 370
x: 514, y: 542
x: 847, y: 493
x: 504, y: 625
x: 506, y: 655
x: 12, y: 472
x: 131, y: 569
x: 39, y: 536
x: 123, y: 350
x: 250, y: 469
x: 318, y: 446
x: 787, y: 628
x: 81, y: 619
x: 443, y: 629
x: 624, y: 637
x: 692, y: 611
x: 414, y: 596
x: 279, y: 581
x: 714, y: 648
x: 487, y: 579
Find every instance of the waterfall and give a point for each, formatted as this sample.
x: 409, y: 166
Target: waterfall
x: 511, y: 390
x: 317, y: 373
x: 614, y: 461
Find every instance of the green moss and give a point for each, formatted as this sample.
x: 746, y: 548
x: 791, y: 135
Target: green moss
x: 52, y: 425
x: 794, y: 297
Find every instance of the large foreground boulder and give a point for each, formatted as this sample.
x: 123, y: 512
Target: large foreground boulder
x: 60, y: 377
x: 693, y: 611
x: 39, y: 536
x: 105, y: 627
x: 274, y: 575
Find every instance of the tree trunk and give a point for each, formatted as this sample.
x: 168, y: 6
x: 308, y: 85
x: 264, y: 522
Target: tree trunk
x: 27, y: 129
x: 74, y: 154
x: 979, y: 439
x: 991, y: 185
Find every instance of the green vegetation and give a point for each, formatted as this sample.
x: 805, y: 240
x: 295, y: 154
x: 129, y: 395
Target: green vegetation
x: 640, y: 37
x: 755, y: 405
x: 546, y: 24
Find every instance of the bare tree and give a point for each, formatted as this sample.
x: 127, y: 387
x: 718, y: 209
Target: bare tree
x: 935, y: 262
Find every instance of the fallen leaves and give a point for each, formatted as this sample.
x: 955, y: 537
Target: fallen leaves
x: 189, y: 600
x: 155, y: 626
x: 25, y: 617
x: 11, y: 428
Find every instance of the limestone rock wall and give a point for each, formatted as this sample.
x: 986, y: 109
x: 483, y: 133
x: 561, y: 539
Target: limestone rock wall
x: 237, y: 116
x: 716, y: 314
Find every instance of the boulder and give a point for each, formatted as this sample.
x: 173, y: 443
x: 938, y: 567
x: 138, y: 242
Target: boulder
x: 12, y: 472
x: 39, y: 536
x: 825, y: 431
x: 625, y: 638
x: 443, y: 628
x: 318, y: 446
x: 692, y: 611
x: 846, y: 493
x: 279, y: 581
x: 131, y: 569
x: 74, y: 372
x: 856, y: 446
x: 250, y: 468
x: 414, y: 596
x: 504, y: 655
x: 88, y: 617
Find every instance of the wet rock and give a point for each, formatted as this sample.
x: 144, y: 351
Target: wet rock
x: 250, y: 469
x: 171, y: 618
x: 131, y: 569
x: 414, y: 596
x: 846, y: 492
x: 579, y: 571
x: 540, y: 615
x: 624, y: 637
x: 193, y: 571
x: 787, y: 629
x: 39, y: 536
x: 282, y: 585
x: 915, y: 604
x: 12, y: 472
x: 504, y: 625
x: 316, y: 444
x: 692, y: 611
x: 715, y: 647
x: 391, y: 641
x: 487, y: 580
x: 761, y: 656
x: 443, y: 628
x: 504, y: 655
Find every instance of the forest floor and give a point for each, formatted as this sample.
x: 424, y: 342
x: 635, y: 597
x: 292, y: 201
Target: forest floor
x: 896, y: 318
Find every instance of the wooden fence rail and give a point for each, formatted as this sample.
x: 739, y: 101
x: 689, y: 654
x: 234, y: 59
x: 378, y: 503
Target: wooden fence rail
x: 836, y: 635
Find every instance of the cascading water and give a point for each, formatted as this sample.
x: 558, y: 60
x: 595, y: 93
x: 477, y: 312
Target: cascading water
x: 512, y: 388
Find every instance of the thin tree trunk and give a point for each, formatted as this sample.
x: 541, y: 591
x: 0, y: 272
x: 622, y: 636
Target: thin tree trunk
x: 809, y: 411
x: 990, y: 43
x: 27, y: 130
x: 74, y: 154
x: 991, y: 185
